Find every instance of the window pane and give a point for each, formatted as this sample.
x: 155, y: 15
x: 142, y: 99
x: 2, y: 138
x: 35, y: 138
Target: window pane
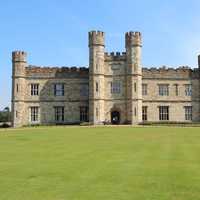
x: 163, y: 113
x: 59, y: 89
x: 163, y: 90
x: 115, y: 87
x: 59, y: 114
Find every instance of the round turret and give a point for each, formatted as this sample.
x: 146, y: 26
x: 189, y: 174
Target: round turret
x: 96, y: 38
x: 19, y: 63
x: 133, y: 39
x: 19, y: 56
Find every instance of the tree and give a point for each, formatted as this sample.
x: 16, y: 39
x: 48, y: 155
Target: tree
x: 5, y: 115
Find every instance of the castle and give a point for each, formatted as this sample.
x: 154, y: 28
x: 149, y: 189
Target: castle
x: 114, y: 89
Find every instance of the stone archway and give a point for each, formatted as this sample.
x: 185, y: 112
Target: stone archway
x: 115, y: 117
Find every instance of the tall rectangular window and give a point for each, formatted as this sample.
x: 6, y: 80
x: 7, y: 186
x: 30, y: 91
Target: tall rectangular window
x: 144, y: 89
x: 34, y: 89
x: 84, y: 114
x: 163, y: 89
x: 144, y: 113
x: 188, y: 90
x: 17, y: 87
x: 97, y: 87
x: 84, y: 91
x: 59, y: 114
x: 97, y: 113
x: 135, y: 87
x: 164, y: 113
x: 59, y: 89
x: 34, y: 114
x: 188, y: 113
x: 115, y: 87
x: 176, y: 89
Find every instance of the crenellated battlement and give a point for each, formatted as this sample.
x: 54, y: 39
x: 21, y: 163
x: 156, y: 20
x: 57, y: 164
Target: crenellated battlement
x: 41, y: 71
x: 109, y: 56
x: 133, y: 38
x: 19, y: 56
x: 182, y: 72
x: 96, y: 38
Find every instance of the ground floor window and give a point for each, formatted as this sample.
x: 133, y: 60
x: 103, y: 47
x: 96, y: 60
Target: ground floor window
x: 163, y: 113
x: 84, y: 114
x: 34, y: 114
x: 188, y: 113
x: 144, y: 113
x: 59, y: 114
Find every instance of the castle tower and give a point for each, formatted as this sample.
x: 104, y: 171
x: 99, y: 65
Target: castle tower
x: 134, y: 77
x: 96, y: 77
x: 18, y: 87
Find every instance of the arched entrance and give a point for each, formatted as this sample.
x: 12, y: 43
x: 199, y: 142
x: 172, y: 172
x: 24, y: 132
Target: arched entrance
x: 115, y: 117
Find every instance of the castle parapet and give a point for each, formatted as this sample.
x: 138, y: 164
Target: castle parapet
x: 96, y: 38
x: 115, y: 56
x: 56, y: 72
x: 19, y: 56
x: 183, y: 72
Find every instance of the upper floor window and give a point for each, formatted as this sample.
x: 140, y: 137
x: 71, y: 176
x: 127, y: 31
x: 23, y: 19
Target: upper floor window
x: 59, y: 113
x: 188, y: 90
x: 163, y: 113
x: 17, y: 87
x: 34, y: 115
x: 163, y: 89
x: 188, y: 112
x: 34, y: 89
x: 115, y: 87
x: 135, y: 87
x: 59, y: 89
x: 144, y: 89
x: 176, y: 89
x: 97, y: 87
x: 84, y: 90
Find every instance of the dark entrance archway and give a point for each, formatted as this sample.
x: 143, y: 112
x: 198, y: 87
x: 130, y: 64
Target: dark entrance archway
x: 115, y: 117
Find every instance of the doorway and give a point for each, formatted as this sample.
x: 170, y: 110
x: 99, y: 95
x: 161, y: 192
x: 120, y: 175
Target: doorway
x: 115, y: 117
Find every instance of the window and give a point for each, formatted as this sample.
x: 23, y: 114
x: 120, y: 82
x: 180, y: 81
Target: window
x: 188, y: 90
x: 97, y: 87
x: 144, y: 89
x: 144, y: 113
x: 176, y: 89
x: 59, y: 89
x: 34, y: 114
x: 17, y: 87
x: 97, y: 113
x: 164, y: 113
x: 59, y: 113
x: 163, y: 90
x: 84, y: 114
x: 84, y: 90
x: 135, y: 87
x: 115, y: 87
x: 188, y: 113
x: 135, y: 112
x: 34, y: 89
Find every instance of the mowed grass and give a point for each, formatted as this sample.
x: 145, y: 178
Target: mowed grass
x: 111, y: 163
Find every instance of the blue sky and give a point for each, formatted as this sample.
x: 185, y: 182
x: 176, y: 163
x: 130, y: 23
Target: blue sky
x: 54, y: 32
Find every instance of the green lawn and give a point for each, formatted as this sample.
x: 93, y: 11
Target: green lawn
x: 104, y: 163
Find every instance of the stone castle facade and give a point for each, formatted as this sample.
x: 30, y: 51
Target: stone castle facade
x: 114, y: 89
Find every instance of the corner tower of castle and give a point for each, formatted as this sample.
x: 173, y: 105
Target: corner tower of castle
x: 19, y: 64
x: 96, y: 76
x: 134, y: 77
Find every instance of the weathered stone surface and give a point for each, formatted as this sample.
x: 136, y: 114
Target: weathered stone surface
x: 104, y: 69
